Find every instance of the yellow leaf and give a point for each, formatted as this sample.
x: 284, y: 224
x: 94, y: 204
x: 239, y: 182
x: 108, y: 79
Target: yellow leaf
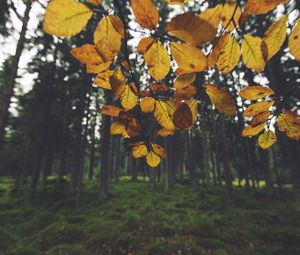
x: 183, y: 117
x: 184, y: 80
x: 189, y: 59
x: 257, y: 108
x: 66, y: 18
x: 255, y: 7
x: 213, y: 57
x: 274, y: 38
x: 191, y: 29
x: 185, y: 93
x: 267, y: 139
x: 178, y: 2
x: 162, y: 116
x: 117, y: 128
x: 152, y: 159
x: 128, y: 99
x: 256, y: 92
x: 289, y: 123
x: 229, y: 56
x: 158, y: 61
x: 212, y: 15
x: 229, y: 9
x: 107, y: 39
x: 159, y: 150
x: 147, y: 104
x: 140, y: 151
x: 95, y: 69
x: 252, y: 53
x: 252, y: 131
x: 294, y: 41
x: 103, y: 79
x: 145, y: 12
x: 221, y: 98
x: 87, y: 54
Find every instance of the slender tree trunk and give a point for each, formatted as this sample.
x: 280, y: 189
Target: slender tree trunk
x: 8, y: 88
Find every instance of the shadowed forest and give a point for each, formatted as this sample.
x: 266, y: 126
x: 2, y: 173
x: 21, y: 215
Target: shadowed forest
x: 149, y: 127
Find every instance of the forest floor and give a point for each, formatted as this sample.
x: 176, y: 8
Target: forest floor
x: 137, y: 220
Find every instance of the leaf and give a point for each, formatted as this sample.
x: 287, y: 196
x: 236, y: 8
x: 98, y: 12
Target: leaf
x: 253, y: 131
x: 159, y: 150
x: 144, y: 44
x: 117, y: 83
x: 117, y: 128
x: 213, y: 57
x: 221, y: 98
x: 87, y: 54
x: 107, y: 38
x: 179, y: 2
x: 152, y: 159
x: 183, y: 117
x: 158, y: 61
x: 162, y: 116
x: 66, y: 18
x: 260, y: 118
x: 274, y: 38
x: 229, y: 56
x: 185, y: 93
x: 95, y: 69
x: 165, y: 132
x: 257, y: 108
x: 128, y: 99
x: 103, y: 79
x: 252, y: 53
x: 229, y: 9
x: 255, y: 7
x: 289, y: 123
x: 147, y: 104
x: 184, y: 80
x: 95, y: 2
x: 267, y: 139
x: 294, y: 41
x: 133, y: 127
x: 191, y: 29
x: 212, y: 16
x: 111, y: 110
x: 256, y: 92
x: 189, y: 59
x: 145, y: 12
x: 140, y: 151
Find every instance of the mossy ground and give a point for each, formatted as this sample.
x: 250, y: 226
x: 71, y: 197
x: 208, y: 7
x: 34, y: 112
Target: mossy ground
x: 138, y: 220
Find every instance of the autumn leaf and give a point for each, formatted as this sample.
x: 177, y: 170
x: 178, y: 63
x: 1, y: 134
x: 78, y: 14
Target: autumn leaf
x: 140, y: 151
x: 117, y: 128
x: 158, y: 61
x: 229, y: 55
x: 179, y: 2
x: 253, y: 131
x: 189, y: 59
x: 191, y: 29
x: 252, y: 53
x: 230, y: 8
x: 289, y: 123
x: 274, y: 38
x: 267, y: 139
x: 184, y: 80
x: 144, y: 44
x: 152, y: 159
x: 111, y: 110
x: 107, y: 37
x: 294, y: 41
x: 159, y: 150
x: 95, y: 2
x: 103, y: 79
x: 128, y: 99
x: 145, y: 12
x: 260, y: 118
x: 255, y: 7
x: 95, y: 69
x: 162, y: 116
x: 133, y: 127
x: 87, y: 54
x: 256, y: 92
x: 147, y: 104
x: 117, y: 83
x: 66, y: 18
x: 213, y: 56
x: 185, y: 93
x: 257, y: 108
x: 221, y: 98
x: 183, y: 117
x: 212, y: 16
